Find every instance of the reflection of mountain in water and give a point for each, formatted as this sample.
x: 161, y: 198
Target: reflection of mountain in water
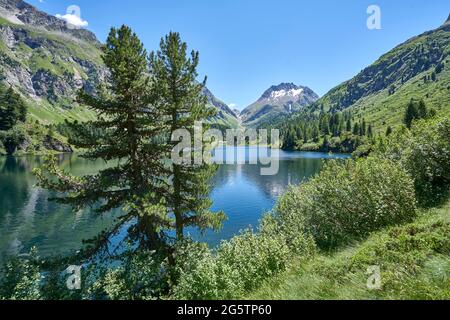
x: 294, y: 168
x: 244, y: 194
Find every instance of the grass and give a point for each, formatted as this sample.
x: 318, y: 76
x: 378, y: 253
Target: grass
x: 383, y: 110
x: 414, y: 260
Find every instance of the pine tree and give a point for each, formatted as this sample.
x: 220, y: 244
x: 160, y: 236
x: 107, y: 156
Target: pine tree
x: 370, y: 131
x: 324, y: 125
x: 183, y: 104
x: 12, y: 109
x: 124, y: 134
x: 363, y: 128
x: 411, y: 114
x: 388, y: 131
x: 289, y: 140
x: 356, y: 130
x: 422, y: 111
x: 315, y: 133
x: 349, y: 125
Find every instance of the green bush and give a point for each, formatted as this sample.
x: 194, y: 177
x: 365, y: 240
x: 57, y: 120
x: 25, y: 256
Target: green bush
x: 134, y: 276
x: 239, y: 265
x: 20, y: 279
x: 424, y: 152
x: 349, y: 200
x: 11, y: 139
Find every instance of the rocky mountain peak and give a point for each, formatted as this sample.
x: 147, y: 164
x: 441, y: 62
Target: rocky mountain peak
x: 281, y: 89
x: 285, y: 92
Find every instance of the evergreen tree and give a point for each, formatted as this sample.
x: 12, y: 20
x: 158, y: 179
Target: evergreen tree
x: 289, y: 140
x: 415, y: 110
x: 422, y: 111
x: 183, y: 104
x: 349, y: 126
x: 388, y: 131
x: 12, y: 109
x: 411, y: 114
x: 324, y: 125
x: 363, y: 128
x: 356, y: 130
x: 370, y: 131
x: 315, y: 133
x: 433, y: 76
x: 124, y: 134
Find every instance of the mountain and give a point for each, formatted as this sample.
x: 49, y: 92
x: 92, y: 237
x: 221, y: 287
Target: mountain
x: 47, y: 61
x: 416, y: 69
x: 225, y: 116
x: 285, y: 98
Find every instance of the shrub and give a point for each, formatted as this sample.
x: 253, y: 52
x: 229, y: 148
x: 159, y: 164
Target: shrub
x: 137, y: 276
x: 239, y: 265
x: 20, y: 279
x: 11, y: 139
x: 349, y: 200
x: 424, y: 152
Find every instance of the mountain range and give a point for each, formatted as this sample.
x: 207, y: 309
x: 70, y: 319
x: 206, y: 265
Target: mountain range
x: 48, y: 62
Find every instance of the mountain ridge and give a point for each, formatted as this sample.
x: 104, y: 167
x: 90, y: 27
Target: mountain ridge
x: 19, y: 11
x: 47, y: 63
x: 418, y: 68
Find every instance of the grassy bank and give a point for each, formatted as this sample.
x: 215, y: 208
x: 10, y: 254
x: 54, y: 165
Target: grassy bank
x: 414, y: 260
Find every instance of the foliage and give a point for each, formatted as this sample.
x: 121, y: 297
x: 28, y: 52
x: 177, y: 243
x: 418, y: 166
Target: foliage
x: 338, y: 132
x: 349, y: 200
x: 12, y: 138
x: 413, y: 261
x: 139, y: 276
x: 241, y: 264
x: 123, y: 134
x: 414, y: 111
x: 183, y: 104
x: 20, y: 279
x: 12, y: 108
x: 424, y: 152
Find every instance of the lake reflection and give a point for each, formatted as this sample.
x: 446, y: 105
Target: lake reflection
x: 28, y: 219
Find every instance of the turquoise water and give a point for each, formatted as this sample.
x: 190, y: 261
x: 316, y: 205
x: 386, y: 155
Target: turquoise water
x: 28, y: 219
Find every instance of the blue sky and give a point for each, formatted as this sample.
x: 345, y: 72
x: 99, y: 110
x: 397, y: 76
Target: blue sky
x: 248, y: 45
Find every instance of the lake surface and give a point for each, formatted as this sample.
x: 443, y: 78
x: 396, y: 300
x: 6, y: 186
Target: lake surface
x: 28, y: 219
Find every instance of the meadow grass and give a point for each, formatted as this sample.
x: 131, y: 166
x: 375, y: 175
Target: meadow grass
x: 414, y: 260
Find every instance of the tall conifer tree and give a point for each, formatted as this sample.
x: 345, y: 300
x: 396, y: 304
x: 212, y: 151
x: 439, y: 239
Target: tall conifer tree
x: 124, y: 135
x: 184, y: 104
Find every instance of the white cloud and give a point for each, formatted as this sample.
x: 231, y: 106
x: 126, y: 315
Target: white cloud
x: 73, y: 20
x: 232, y: 105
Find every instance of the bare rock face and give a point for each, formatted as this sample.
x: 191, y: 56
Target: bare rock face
x: 447, y: 22
x: 44, y: 60
x: 51, y: 143
x: 7, y: 36
x: 20, y: 77
x: 19, y: 11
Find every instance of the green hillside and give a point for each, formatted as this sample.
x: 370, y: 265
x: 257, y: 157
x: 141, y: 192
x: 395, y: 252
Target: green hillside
x: 416, y: 69
x: 47, y: 63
